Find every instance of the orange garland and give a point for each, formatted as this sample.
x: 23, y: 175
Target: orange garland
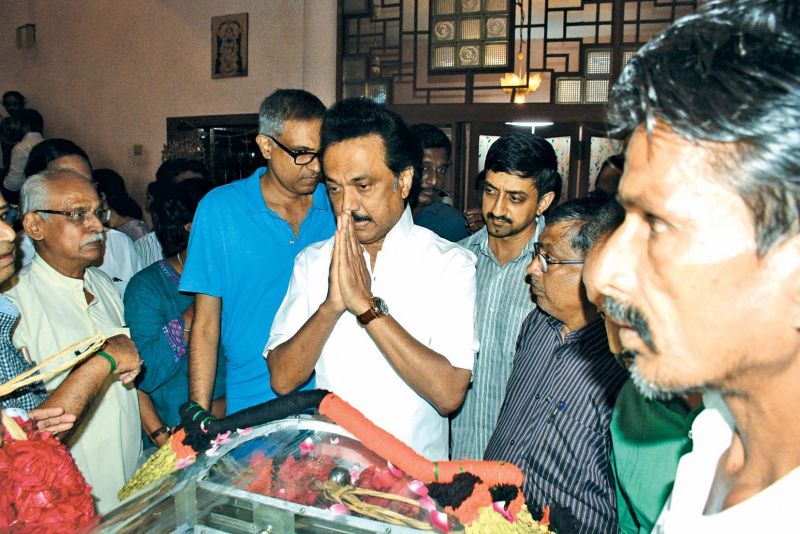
x: 405, y: 458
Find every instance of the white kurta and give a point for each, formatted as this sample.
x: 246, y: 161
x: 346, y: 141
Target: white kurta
x: 54, y: 315
x: 770, y: 510
x: 429, y: 285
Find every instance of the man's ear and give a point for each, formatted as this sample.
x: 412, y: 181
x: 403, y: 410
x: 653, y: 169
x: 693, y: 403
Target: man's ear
x: 33, y: 225
x: 265, y: 145
x: 545, y: 202
x: 406, y: 179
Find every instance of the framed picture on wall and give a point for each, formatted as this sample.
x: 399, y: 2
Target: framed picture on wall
x: 229, y: 46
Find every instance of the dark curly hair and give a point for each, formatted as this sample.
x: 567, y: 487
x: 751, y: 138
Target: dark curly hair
x: 173, y: 209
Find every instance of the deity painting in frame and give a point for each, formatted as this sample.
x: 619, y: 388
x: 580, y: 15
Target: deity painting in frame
x: 229, y: 46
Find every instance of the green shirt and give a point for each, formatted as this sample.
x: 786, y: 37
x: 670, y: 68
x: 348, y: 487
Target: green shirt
x: 649, y: 438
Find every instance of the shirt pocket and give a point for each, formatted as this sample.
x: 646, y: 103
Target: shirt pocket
x: 572, y: 455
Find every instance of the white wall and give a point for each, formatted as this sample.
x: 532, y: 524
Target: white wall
x: 107, y: 73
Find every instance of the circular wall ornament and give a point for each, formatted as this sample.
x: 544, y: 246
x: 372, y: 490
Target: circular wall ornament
x: 468, y: 55
x: 444, y: 31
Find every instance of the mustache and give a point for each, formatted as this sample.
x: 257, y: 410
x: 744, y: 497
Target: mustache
x: 94, y: 238
x: 648, y: 389
x: 503, y: 218
x: 357, y: 217
x: 627, y: 315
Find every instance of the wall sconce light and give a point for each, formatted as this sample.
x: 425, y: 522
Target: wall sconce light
x: 515, y: 85
x: 26, y: 36
x: 519, y: 85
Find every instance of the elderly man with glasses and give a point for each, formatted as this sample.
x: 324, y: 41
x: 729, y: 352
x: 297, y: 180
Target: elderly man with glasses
x: 554, y: 423
x: 244, y: 240
x: 62, y: 299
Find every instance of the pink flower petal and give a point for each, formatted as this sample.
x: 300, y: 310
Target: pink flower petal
x: 500, y: 507
x: 244, y: 431
x: 334, y: 441
x: 439, y: 520
x: 307, y: 446
x: 418, y: 487
x: 340, y: 509
x: 282, y: 492
x: 393, y: 470
x: 212, y: 451
x: 427, y: 504
x: 184, y: 462
x: 355, y: 472
x: 222, y: 439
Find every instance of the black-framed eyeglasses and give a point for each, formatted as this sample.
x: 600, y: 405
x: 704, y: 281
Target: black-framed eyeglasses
x: 545, y: 260
x: 300, y: 157
x: 81, y: 216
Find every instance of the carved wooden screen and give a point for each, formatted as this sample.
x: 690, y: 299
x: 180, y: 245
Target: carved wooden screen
x: 576, y: 46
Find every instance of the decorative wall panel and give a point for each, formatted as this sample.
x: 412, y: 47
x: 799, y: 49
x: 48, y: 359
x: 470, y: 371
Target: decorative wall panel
x: 434, y: 51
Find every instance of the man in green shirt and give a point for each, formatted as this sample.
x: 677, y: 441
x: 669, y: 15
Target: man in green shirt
x: 648, y: 435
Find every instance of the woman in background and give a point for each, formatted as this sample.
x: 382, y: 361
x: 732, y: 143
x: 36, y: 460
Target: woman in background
x: 160, y: 317
x: 126, y: 215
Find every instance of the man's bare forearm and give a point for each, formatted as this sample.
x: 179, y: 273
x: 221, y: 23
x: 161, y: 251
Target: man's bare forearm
x: 291, y: 362
x: 203, y: 349
x: 426, y: 371
x: 79, y: 388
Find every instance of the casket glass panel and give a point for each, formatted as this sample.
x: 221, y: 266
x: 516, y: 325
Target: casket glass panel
x: 229, y: 490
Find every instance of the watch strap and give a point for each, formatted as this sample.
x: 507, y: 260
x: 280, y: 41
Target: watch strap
x: 368, y: 316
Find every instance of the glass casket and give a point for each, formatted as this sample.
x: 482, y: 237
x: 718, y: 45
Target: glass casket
x: 272, y: 479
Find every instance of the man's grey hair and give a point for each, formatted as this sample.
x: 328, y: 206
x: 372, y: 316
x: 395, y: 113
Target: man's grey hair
x: 285, y: 105
x: 34, y: 193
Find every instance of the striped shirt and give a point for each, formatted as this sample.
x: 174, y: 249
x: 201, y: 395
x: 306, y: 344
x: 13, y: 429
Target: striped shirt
x: 12, y: 363
x: 554, y: 423
x: 502, y: 302
x: 149, y: 249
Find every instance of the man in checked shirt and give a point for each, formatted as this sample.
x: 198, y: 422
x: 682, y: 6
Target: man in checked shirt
x: 555, y: 417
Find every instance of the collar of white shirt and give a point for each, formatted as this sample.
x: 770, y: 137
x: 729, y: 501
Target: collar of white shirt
x: 54, y: 277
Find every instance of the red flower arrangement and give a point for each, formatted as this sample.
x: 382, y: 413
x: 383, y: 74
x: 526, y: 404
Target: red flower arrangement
x: 43, y: 490
x: 381, y: 479
x: 296, y: 479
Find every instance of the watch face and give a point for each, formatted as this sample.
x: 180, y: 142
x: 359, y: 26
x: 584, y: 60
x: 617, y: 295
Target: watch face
x: 381, y: 306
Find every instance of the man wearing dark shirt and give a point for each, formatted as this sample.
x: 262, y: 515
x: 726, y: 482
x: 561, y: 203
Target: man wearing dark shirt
x: 555, y: 417
x: 432, y: 207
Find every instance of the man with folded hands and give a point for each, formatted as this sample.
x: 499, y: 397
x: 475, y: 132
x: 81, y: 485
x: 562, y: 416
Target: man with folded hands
x: 362, y: 309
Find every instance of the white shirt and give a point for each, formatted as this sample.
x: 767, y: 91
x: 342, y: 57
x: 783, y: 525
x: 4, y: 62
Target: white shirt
x: 120, y: 260
x: 428, y: 284
x: 149, y: 249
x: 771, y: 510
x: 54, y: 315
x: 19, y: 158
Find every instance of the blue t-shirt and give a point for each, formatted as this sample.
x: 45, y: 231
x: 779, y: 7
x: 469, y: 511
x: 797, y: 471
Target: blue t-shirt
x: 243, y: 252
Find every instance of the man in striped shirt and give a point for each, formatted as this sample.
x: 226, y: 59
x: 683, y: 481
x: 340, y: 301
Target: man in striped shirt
x: 521, y: 184
x: 560, y: 396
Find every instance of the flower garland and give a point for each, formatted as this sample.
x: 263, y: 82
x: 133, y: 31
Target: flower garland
x: 42, y: 490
